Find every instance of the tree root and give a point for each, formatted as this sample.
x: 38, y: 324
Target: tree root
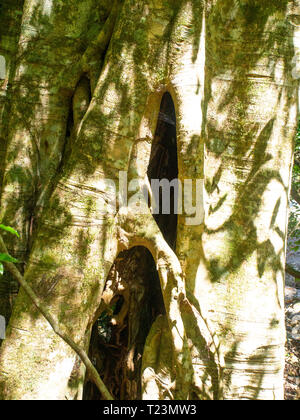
x: 142, y: 230
x: 95, y: 50
x: 99, y: 45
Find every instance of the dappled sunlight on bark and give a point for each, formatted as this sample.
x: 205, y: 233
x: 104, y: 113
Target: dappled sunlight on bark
x: 199, y: 90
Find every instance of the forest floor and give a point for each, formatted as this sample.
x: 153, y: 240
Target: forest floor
x: 292, y: 348
x: 292, y: 318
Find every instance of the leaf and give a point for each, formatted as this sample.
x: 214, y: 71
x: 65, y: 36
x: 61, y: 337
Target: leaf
x: 9, y: 229
x: 296, y: 248
x: 1, y: 269
x: 7, y: 258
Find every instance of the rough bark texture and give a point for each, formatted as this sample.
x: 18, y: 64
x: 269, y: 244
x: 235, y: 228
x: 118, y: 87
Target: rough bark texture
x: 86, y: 83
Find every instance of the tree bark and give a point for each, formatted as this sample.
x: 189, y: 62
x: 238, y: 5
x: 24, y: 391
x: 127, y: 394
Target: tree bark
x: 86, y: 108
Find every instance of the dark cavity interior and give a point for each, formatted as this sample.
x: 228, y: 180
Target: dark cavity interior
x: 164, y: 165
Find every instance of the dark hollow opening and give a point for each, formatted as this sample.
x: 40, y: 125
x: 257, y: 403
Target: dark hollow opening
x: 119, y: 334
x: 116, y: 348
x: 164, y: 165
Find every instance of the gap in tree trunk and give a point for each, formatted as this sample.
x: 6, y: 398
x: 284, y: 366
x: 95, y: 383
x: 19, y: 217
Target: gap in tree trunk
x: 132, y: 299
x: 164, y: 165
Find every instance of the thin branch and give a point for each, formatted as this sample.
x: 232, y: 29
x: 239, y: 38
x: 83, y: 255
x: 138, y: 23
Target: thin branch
x: 295, y: 228
x: 292, y: 271
x: 55, y: 326
x: 295, y: 195
x: 297, y: 162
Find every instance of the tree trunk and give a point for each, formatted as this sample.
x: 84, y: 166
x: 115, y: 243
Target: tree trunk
x: 202, y: 89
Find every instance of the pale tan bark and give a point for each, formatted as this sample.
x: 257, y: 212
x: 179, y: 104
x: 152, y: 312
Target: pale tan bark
x: 228, y: 68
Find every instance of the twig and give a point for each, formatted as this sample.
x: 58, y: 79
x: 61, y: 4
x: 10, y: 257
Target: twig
x: 55, y: 326
x: 292, y: 271
x: 295, y: 195
x: 297, y: 162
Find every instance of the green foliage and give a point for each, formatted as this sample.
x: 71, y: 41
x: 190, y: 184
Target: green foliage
x: 296, y: 169
x: 10, y: 230
x: 6, y: 257
x: 104, y: 326
x: 294, y: 218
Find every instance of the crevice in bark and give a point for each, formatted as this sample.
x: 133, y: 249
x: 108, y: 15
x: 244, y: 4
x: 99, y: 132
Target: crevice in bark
x: 100, y: 44
x: 131, y: 302
x: 92, y: 59
x: 79, y: 103
x: 164, y: 165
